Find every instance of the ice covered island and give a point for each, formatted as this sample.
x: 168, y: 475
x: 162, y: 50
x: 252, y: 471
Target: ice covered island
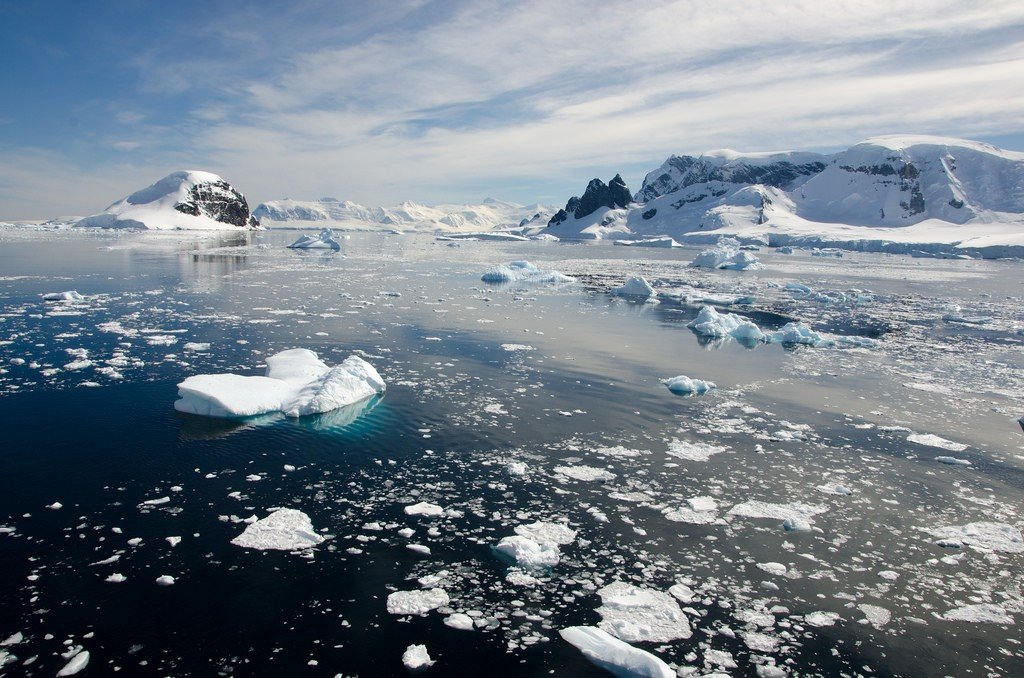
x: 296, y: 383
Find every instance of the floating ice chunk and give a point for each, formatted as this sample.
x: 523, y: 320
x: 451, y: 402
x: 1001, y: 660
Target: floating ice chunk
x: 528, y: 553
x: 777, y: 569
x: 635, y: 286
x: 683, y: 449
x: 173, y: 541
x: 932, y: 440
x: 614, y: 655
x: 875, y: 615
x: 585, y: 473
x: 415, y: 657
x: 55, y: 506
x: 283, y: 530
x: 75, y: 664
x: 984, y: 536
x: 701, y: 511
x: 727, y: 254
x: 834, y: 489
x: 635, y: 614
x: 953, y: 461
x: 423, y: 509
x: 796, y: 524
x: 165, y: 580
x: 297, y: 383
x: 417, y: 602
x: 70, y: 295
x: 523, y: 271
x: 547, y: 533
x: 419, y: 548
x: 13, y: 639
x: 821, y: 619
x: 683, y: 385
x: 116, y: 578
x: 711, y: 323
x: 324, y: 241
x: 981, y: 613
x: 516, y: 468
x: 763, y: 509
x: 460, y: 621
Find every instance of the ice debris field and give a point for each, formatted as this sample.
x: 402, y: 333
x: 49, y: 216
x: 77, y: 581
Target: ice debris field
x: 840, y: 493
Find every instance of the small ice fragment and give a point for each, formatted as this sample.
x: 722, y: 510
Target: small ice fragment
x: 683, y: 385
x: 419, y: 548
x: 528, y: 553
x: 75, y: 664
x: 284, y: 530
x: 173, y: 541
x: 462, y: 622
x: 423, y: 509
x: 165, y: 580
x: 635, y: 286
x: 55, y: 506
x: 821, y: 618
x: 116, y: 578
x: 932, y: 440
x: 953, y: 461
x: 416, y: 657
x: 417, y: 602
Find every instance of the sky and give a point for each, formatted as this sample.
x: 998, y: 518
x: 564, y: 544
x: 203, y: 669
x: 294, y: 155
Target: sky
x: 451, y: 102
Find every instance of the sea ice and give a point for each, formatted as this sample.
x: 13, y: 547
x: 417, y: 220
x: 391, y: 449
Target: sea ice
x: 75, y: 664
x: 415, y: 657
x: 763, y: 509
x: 528, y: 553
x: 932, y: 440
x: 636, y: 614
x: 70, y: 295
x: 297, y: 383
x: 711, y: 323
x: 423, y: 509
x: 683, y: 385
x: 953, y: 461
x: 586, y: 473
x: 984, y: 536
x: 684, y: 449
x: 417, y: 602
x: 727, y: 254
x: 523, y: 271
x: 323, y: 241
x: 981, y: 613
x: 614, y: 655
x: 165, y: 580
x: 821, y: 618
x: 547, y: 533
x: 460, y: 621
x: 283, y: 530
x: 635, y: 286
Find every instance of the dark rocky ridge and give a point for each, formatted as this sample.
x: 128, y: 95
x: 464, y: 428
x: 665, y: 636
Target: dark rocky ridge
x: 219, y: 201
x: 695, y: 170
x: 615, y: 194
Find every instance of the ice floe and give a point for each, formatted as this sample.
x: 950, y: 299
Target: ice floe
x: 726, y: 254
x: 980, y: 613
x: 416, y: 657
x: 527, y: 552
x: 932, y: 440
x: 417, y: 602
x: 635, y: 614
x: 690, y: 451
x: 585, y: 473
x: 283, y: 530
x: 78, y: 662
x: 761, y: 509
x: 983, y: 535
x: 613, y: 655
x: 522, y: 271
x: 423, y: 508
x: 297, y: 383
x: 683, y: 385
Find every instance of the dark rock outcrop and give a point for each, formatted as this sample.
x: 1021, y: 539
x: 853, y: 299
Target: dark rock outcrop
x: 220, y: 201
x: 681, y: 171
x: 615, y: 194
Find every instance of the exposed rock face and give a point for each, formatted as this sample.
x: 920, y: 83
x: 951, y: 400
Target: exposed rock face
x: 614, y: 194
x: 778, y: 170
x: 219, y: 201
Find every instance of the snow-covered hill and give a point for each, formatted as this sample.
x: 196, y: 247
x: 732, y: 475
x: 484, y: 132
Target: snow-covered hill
x: 884, y: 193
x: 187, y: 200
x: 489, y: 214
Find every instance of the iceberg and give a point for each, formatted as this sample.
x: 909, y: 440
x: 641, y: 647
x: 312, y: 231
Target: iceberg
x: 283, y: 530
x: 726, y: 254
x: 711, y: 323
x: 635, y: 286
x: 614, y: 655
x: 297, y: 383
x: 528, y: 553
x: 523, y: 271
x: 324, y: 241
x: 683, y: 385
x: 416, y: 657
x: 70, y: 295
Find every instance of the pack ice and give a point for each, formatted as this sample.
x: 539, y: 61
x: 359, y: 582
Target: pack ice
x: 297, y: 383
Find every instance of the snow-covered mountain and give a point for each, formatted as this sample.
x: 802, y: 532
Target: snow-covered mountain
x: 907, y: 189
x: 598, y: 213
x: 187, y: 200
x: 489, y: 214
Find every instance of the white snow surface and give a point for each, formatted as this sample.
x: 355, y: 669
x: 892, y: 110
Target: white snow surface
x: 614, y: 655
x: 636, y: 614
x: 153, y: 206
x: 297, y: 383
x: 283, y: 530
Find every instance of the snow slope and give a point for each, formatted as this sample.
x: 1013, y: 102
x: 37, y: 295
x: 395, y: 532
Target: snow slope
x: 893, y: 193
x: 186, y: 200
x: 489, y: 214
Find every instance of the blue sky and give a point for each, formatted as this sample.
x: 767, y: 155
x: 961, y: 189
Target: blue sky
x: 450, y: 102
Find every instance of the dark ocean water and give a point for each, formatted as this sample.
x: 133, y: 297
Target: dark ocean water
x: 479, y: 376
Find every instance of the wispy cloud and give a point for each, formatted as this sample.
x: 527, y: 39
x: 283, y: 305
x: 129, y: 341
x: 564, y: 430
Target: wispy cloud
x: 445, y: 101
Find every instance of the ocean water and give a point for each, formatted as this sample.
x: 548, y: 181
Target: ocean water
x: 548, y: 378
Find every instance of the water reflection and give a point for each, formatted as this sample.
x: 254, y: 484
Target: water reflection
x: 196, y: 427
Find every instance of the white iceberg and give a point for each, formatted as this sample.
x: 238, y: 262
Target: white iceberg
x: 324, y: 241
x: 417, y: 602
x: 613, y: 655
x: 664, y: 241
x: 683, y: 385
x: 726, y: 254
x: 297, y: 383
x: 416, y: 657
x: 984, y: 536
x: 70, y: 295
x: 283, y: 530
x: 711, y: 323
x: 523, y: 271
x: 635, y: 286
x: 528, y: 553
x: 636, y: 614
